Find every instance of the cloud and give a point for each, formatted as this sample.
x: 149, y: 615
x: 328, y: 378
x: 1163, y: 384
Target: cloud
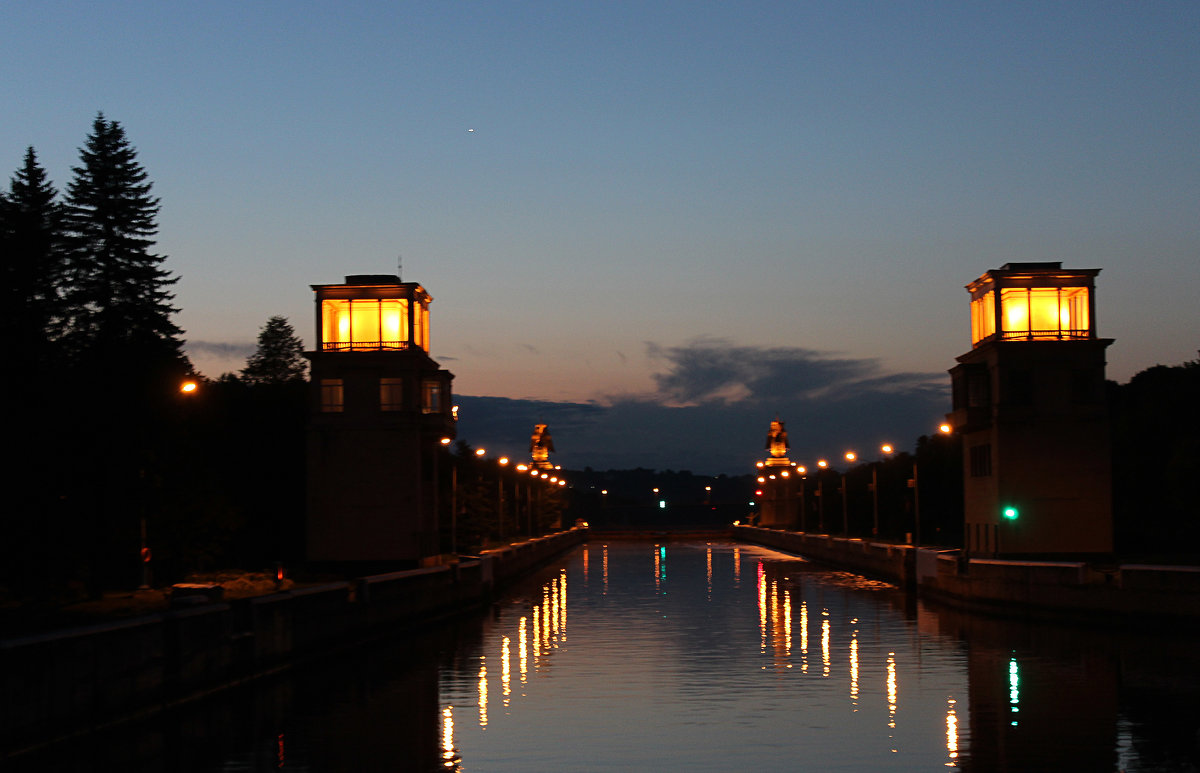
x: 713, y: 403
x: 219, y: 349
x: 212, y: 358
x: 716, y: 371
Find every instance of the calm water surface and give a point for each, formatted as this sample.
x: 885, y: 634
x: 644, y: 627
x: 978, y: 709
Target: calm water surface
x: 698, y: 657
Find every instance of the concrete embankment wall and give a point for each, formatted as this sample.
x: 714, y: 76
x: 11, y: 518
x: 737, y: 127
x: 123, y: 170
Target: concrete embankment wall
x: 1058, y: 590
x: 882, y: 560
x: 65, y: 681
x: 1126, y: 594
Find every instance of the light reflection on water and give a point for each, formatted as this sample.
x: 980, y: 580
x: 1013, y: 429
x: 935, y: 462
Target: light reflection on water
x: 687, y: 670
x: 637, y: 668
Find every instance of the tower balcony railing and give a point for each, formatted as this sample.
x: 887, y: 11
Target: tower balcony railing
x: 1052, y: 334
x: 1055, y: 334
x: 358, y: 346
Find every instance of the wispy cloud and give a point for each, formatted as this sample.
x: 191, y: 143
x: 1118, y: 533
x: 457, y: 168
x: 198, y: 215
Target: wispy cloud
x: 710, y: 371
x: 219, y: 349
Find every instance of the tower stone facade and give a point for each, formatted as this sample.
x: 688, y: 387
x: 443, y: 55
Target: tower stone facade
x: 380, y: 416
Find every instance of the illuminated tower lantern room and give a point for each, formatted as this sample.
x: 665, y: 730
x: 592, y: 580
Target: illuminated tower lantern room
x: 380, y: 417
x: 1029, y: 405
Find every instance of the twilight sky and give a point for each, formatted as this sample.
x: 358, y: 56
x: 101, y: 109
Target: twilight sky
x: 653, y: 225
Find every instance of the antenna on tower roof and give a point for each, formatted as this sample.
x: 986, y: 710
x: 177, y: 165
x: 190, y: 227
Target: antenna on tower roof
x: 400, y: 266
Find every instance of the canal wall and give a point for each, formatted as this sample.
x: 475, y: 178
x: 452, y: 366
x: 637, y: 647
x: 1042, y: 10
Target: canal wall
x: 1130, y: 594
x: 67, y: 681
x: 1127, y: 594
x: 881, y: 560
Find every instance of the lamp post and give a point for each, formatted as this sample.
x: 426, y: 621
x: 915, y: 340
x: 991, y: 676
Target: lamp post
x: 802, y: 471
x: 887, y: 450
x: 914, y: 484
x: 503, y: 462
x: 188, y: 388
x: 821, y: 495
x: 850, y: 457
x: 445, y: 442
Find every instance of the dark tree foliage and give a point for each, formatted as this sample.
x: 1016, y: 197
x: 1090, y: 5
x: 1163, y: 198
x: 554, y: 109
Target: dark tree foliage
x: 1156, y: 463
x: 31, y: 265
x: 279, y: 358
x: 118, y: 294
x: 120, y: 437
x: 30, y: 317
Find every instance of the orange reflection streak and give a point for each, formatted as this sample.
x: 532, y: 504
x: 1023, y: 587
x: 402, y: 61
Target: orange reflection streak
x: 522, y: 651
x: 536, y: 635
x: 657, y: 579
x: 709, y: 562
x: 951, y: 733
x: 854, y: 669
x: 774, y: 604
x: 562, y: 605
x: 544, y: 639
x: 605, y: 570
x: 891, y: 694
x: 483, y: 695
x: 505, y: 670
x: 762, y: 608
x: 804, y: 637
x: 787, y: 621
x: 585, y: 565
x: 737, y: 566
x: 553, y: 616
x: 449, y: 755
x: 825, y: 642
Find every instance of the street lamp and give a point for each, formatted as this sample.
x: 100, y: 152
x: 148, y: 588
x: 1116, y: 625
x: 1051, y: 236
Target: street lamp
x: 503, y: 462
x: 850, y: 457
x: 886, y: 449
x: 821, y: 496
x: 914, y: 484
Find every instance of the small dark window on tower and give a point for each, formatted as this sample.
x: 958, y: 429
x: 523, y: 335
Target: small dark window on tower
x: 431, y: 397
x: 979, y: 388
x: 1085, y: 387
x: 981, y: 460
x: 332, y: 400
x: 391, y: 394
x: 1018, y: 388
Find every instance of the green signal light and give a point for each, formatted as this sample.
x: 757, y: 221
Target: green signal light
x: 1011, y: 513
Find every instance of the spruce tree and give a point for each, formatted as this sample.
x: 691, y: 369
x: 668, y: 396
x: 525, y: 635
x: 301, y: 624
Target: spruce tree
x: 31, y: 267
x: 279, y: 358
x: 126, y: 423
x: 30, y: 312
x: 119, y: 298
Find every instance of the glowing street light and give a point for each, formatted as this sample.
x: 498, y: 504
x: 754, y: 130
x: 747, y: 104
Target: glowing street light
x: 886, y: 449
x: 850, y: 457
x: 821, y: 496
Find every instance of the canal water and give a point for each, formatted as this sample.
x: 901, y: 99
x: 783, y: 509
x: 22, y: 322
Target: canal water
x: 695, y: 656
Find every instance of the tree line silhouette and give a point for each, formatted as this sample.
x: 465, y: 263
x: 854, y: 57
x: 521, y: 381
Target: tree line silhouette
x: 108, y: 455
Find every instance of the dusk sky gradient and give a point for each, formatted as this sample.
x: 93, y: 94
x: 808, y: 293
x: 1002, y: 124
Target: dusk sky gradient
x: 673, y: 220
